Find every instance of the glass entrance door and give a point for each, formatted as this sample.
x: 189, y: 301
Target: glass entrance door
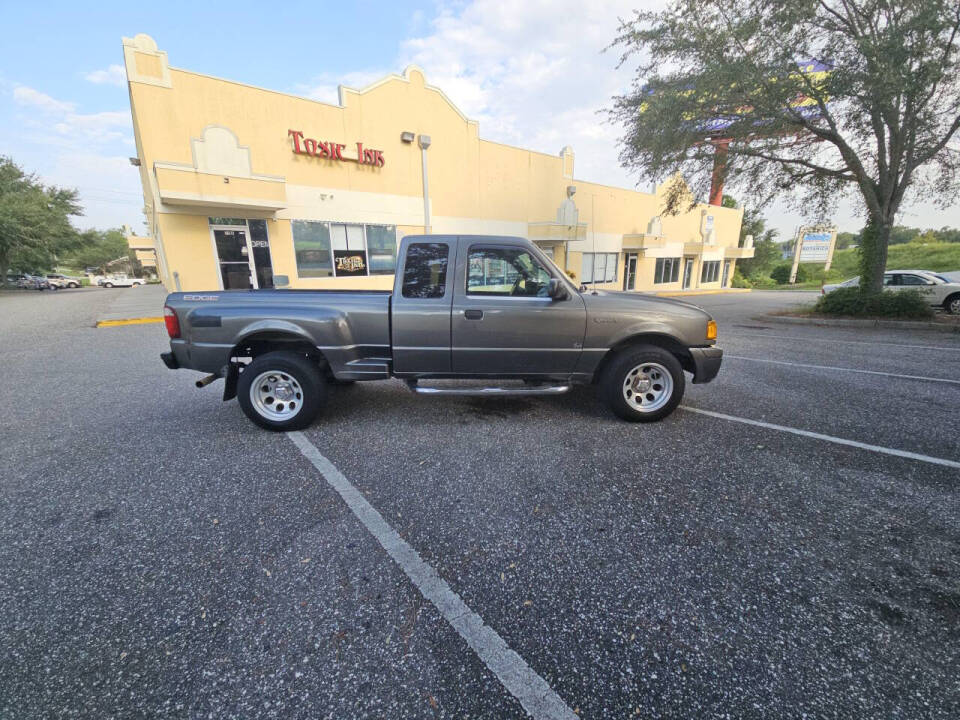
x: 687, y: 273
x: 630, y: 272
x: 726, y: 274
x: 233, y: 255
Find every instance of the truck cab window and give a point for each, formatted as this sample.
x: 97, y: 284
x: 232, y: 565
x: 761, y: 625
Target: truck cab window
x: 505, y: 271
x: 425, y: 270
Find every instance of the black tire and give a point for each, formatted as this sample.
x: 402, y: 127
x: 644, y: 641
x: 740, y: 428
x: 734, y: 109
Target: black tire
x: 302, y: 370
x: 952, y: 304
x: 624, y: 364
x: 108, y: 285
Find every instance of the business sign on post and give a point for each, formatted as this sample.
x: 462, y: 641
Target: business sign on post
x: 815, y: 247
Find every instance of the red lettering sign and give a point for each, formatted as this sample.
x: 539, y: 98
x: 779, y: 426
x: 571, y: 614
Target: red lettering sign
x: 333, y: 150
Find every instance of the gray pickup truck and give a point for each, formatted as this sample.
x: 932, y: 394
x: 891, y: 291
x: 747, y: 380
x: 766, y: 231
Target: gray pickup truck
x: 467, y: 307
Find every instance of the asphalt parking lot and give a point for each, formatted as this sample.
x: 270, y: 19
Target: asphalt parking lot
x: 160, y: 556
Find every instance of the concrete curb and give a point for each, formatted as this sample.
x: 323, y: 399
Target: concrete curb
x: 857, y: 323
x: 685, y: 293
x: 129, y: 321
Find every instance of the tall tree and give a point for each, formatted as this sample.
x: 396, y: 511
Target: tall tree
x: 34, y: 219
x: 821, y: 96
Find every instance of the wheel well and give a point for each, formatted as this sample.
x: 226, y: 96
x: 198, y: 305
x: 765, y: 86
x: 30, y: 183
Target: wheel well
x: 272, y: 340
x: 671, y: 345
x: 950, y: 297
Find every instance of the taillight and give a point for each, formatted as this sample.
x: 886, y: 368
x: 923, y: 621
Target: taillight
x: 172, y: 322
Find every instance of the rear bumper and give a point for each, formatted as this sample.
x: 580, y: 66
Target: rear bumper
x: 170, y: 360
x: 706, y: 363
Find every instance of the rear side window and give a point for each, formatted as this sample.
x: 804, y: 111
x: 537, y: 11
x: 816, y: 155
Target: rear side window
x: 425, y: 271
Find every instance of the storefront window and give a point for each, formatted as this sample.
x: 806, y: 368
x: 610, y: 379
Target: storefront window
x: 311, y: 243
x: 382, y: 249
x: 667, y: 270
x: 343, y: 249
x: 227, y: 221
x: 710, y: 271
x: 599, y: 268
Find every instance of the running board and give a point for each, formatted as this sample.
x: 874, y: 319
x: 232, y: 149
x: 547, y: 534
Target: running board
x: 490, y: 391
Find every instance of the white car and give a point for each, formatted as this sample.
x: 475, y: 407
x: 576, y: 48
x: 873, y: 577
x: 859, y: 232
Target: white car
x: 943, y: 291
x: 59, y: 280
x: 120, y: 281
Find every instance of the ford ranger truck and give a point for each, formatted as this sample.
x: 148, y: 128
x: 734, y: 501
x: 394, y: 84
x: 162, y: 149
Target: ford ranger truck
x: 469, y: 307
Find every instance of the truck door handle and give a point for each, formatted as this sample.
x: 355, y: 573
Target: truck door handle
x: 473, y: 314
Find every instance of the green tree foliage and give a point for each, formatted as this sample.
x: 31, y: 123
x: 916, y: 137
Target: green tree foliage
x: 99, y: 247
x: 878, y: 123
x: 34, y: 220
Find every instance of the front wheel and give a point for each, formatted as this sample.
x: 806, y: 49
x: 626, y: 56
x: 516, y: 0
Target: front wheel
x: 952, y: 304
x: 281, y: 391
x: 643, y: 384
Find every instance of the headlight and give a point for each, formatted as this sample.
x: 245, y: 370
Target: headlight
x: 712, y: 330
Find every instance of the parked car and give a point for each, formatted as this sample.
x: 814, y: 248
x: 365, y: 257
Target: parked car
x: 279, y: 349
x: 33, y: 282
x: 64, y: 281
x: 942, y: 291
x: 120, y: 281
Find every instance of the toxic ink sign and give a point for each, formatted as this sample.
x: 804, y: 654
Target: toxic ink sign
x: 334, y: 150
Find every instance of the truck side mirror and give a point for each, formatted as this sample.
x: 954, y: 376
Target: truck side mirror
x: 556, y: 290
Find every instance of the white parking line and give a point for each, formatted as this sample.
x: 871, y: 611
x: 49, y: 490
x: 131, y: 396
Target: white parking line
x: 846, y: 342
x: 533, y: 692
x: 842, y: 369
x: 828, y: 438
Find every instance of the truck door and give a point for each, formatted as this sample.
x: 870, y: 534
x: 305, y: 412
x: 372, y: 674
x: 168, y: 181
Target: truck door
x: 503, y: 322
x: 422, y: 295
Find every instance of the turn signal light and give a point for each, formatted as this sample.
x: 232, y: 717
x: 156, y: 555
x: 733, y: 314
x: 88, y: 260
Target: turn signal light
x: 711, y: 330
x: 172, y: 322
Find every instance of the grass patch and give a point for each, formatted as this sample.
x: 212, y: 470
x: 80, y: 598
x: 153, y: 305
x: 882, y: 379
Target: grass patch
x: 850, y: 302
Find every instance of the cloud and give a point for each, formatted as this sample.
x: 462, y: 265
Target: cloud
x: 113, y: 75
x: 28, y: 97
x: 324, y: 87
x: 60, y: 123
x: 533, y: 74
x: 88, y: 151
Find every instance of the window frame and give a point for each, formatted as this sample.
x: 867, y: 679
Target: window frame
x: 709, y: 271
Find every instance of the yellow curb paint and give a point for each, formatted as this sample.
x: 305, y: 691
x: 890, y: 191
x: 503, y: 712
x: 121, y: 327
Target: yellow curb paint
x: 130, y: 321
x: 681, y: 293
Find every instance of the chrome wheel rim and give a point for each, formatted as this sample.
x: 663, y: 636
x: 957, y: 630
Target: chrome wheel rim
x: 276, y: 395
x: 648, y: 387
x: 955, y: 306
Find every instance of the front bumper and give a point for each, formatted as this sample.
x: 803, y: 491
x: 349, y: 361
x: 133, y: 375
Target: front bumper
x: 170, y: 360
x: 706, y: 363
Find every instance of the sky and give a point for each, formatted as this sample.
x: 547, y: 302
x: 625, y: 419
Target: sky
x: 534, y: 73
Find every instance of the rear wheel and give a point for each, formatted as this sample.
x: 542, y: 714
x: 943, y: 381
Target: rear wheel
x: 281, y: 391
x: 108, y: 285
x: 952, y: 304
x: 644, y: 384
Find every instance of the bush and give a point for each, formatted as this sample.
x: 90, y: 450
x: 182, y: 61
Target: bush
x: 781, y: 273
x: 762, y: 282
x: 890, y: 304
x: 739, y: 281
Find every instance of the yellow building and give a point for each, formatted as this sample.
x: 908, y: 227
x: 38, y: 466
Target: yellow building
x: 246, y: 187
